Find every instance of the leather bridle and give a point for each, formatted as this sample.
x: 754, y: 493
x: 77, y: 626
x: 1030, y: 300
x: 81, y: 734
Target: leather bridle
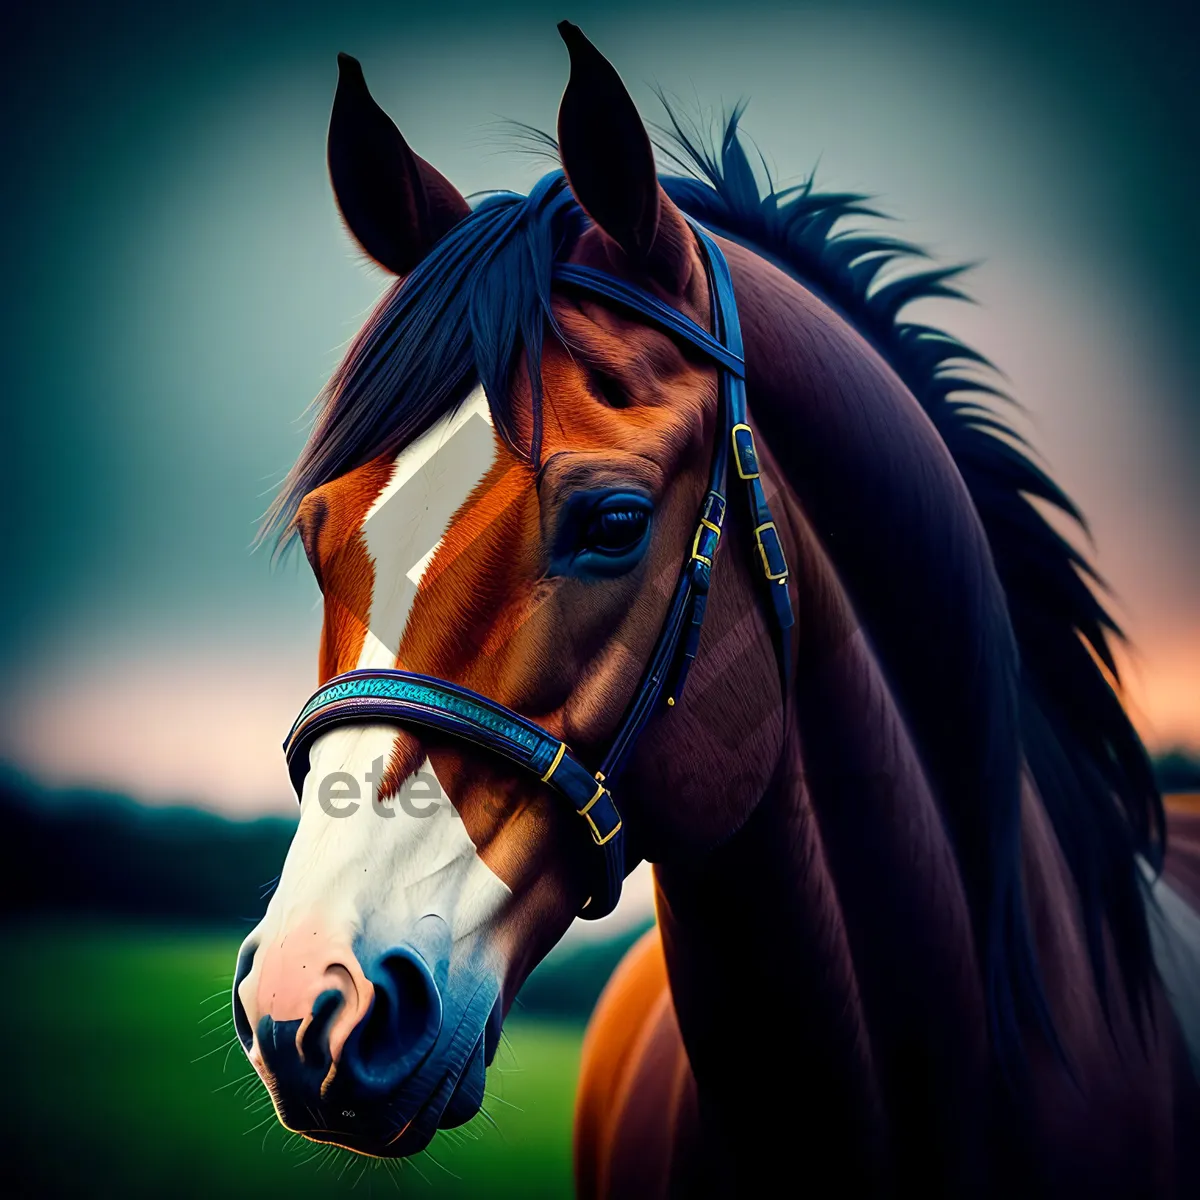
x: 444, y: 708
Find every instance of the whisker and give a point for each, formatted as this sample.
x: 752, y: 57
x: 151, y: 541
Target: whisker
x: 393, y: 1172
x: 441, y: 1166
x: 215, y: 1050
x: 259, y: 1125
x: 308, y: 1158
x: 233, y: 1082
x: 487, y: 1116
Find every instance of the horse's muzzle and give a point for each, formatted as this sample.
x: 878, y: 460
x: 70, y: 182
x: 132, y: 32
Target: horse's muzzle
x: 382, y: 1054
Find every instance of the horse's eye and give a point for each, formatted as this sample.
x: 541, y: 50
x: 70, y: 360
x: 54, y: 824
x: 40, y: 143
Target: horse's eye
x: 616, y: 531
x: 601, y: 533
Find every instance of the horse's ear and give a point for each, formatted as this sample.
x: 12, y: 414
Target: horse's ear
x: 394, y: 203
x: 609, y: 163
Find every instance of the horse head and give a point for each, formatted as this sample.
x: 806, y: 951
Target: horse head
x: 520, y: 536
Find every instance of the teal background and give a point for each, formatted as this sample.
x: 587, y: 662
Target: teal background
x: 178, y: 286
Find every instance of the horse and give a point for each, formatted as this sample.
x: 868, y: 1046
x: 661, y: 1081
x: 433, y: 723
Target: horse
x: 647, y: 472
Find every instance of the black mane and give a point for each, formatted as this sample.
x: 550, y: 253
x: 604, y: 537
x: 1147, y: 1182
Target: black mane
x: 1091, y: 768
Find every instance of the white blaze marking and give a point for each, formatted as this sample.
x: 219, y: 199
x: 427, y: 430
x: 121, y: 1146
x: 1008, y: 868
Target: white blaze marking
x: 366, y: 873
x: 382, y: 874
x: 430, y: 480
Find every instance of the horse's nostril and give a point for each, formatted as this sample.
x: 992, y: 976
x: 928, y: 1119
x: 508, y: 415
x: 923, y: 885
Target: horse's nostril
x: 402, y: 1024
x: 314, y: 1045
x: 241, y: 1023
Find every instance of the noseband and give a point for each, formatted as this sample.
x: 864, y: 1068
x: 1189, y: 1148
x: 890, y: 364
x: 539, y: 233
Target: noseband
x: 444, y: 708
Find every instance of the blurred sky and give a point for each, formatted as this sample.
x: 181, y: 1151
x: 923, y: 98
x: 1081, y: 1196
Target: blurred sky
x: 178, y: 286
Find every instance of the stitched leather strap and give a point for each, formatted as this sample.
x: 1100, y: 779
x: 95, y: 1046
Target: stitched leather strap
x: 441, y: 707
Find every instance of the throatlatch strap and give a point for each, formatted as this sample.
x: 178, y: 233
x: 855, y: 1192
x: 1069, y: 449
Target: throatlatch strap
x: 770, y: 547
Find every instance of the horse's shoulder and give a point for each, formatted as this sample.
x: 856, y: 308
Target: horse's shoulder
x: 633, y: 1076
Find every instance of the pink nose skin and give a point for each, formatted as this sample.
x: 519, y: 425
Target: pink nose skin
x: 291, y: 972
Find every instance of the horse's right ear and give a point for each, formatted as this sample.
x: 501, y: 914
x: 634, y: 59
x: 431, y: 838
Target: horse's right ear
x: 394, y: 203
x: 609, y: 163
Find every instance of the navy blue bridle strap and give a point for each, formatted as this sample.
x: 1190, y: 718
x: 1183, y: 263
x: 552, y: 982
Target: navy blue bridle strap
x: 679, y: 641
x: 441, y: 707
x: 598, y: 283
x: 766, y: 536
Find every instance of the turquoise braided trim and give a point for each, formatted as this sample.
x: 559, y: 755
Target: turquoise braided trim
x: 419, y: 693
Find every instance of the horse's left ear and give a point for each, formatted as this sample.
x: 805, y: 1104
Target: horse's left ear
x: 609, y: 163
x: 394, y: 203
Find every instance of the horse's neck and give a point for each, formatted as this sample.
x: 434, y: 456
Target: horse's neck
x: 822, y: 961
x: 824, y: 954
x: 765, y: 991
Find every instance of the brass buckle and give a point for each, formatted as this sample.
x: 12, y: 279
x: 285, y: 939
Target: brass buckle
x: 586, y: 813
x: 773, y: 576
x: 737, y: 458
x: 608, y: 837
x: 705, y: 523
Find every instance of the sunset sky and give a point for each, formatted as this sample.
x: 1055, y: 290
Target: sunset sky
x: 180, y: 287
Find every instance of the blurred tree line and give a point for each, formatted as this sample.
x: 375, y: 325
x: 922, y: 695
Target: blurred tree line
x: 82, y: 851
x: 97, y: 854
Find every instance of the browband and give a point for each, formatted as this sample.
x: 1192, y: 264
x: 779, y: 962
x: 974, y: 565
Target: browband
x: 441, y: 707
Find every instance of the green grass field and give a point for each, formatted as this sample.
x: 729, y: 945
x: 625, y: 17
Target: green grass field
x: 119, y: 1083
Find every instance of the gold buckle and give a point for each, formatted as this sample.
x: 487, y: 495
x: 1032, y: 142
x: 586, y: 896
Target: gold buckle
x: 596, y: 836
x: 737, y: 458
x: 586, y: 813
x: 562, y: 749
x: 776, y: 575
x: 705, y: 523
x: 608, y: 837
